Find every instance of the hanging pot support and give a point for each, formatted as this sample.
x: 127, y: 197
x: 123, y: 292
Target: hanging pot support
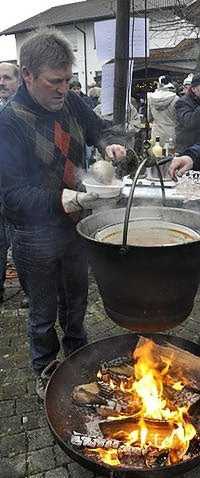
x: 131, y: 196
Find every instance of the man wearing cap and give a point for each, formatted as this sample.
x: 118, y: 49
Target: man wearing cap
x: 188, y: 117
x: 187, y: 83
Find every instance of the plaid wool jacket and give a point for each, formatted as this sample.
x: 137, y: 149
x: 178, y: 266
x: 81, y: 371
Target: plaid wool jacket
x: 42, y: 152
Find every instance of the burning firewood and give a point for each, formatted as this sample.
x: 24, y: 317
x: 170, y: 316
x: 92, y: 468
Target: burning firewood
x: 120, y: 410
x: 182, y: 397
x: 87, y: 394
x: 185, y: 365
x: 194, y: 447
x: 90, y: 394
x: 117, y: 373
x: 122, y: 371
x: 130, y: 456
x: 145, y: 411
x: 94, y: 442
x: 117, y: 362
x: 155, y: 458
x: 121, y: 428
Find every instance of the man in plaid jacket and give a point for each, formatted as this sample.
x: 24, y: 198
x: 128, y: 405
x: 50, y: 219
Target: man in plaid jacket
x: 43, y: 131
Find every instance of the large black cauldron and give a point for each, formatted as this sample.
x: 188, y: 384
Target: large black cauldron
x: 145, y: 288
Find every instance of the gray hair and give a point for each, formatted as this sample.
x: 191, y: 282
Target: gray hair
x: 47, y: 47
x: 95, y: 92
x: 15, y: 68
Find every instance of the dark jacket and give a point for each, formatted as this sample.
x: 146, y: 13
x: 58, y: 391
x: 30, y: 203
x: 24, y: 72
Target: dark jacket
x: 188, y: 122
x: 194, y: 153
x: 41, y: 153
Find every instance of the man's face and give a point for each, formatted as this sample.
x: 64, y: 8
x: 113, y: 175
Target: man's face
x: 50, y: 86
x: 8, y: 81
x: 77, y: 89
x: 196, y: 90
x: 186, y: 88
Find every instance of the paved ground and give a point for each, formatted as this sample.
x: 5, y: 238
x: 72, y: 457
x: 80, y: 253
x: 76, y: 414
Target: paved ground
x: 27, y: 448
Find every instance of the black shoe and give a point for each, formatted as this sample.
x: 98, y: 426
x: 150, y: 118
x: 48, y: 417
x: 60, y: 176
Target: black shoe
x: 40, y: 387
x: 42, y: 380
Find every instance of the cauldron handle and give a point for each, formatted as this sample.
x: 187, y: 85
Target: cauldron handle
x: 130, y: 199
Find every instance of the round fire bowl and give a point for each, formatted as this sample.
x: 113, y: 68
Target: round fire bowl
x: 64, y: 417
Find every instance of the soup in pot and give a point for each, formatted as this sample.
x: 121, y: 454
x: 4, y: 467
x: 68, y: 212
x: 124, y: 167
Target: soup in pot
x: 148, y: 234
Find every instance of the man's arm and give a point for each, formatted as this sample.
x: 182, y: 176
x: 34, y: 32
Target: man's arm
x: 19, y: 194
x: 98, y: 132
x: 187, y: 115
x: 189, y: 160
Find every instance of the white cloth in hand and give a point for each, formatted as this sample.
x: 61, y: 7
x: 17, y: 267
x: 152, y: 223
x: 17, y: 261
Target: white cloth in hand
x: 74, y: 201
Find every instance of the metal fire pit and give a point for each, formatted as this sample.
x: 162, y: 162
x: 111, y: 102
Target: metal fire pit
x: 81, y: 367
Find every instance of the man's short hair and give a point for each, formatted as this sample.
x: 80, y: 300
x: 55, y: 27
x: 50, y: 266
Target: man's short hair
x: 15, y: 68
x: 47, y: 47
x: 74, y: 84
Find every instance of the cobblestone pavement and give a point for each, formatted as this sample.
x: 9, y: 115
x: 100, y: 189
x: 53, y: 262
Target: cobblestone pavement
x: 27, y: 448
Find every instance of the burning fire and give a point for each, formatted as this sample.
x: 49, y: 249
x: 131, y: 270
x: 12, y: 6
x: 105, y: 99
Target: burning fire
x: 156, y: 422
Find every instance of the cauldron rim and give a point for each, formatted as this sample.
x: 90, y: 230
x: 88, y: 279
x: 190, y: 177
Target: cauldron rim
x: 90, y: 237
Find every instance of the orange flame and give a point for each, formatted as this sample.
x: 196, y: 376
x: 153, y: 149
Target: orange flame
x: 173, y: 429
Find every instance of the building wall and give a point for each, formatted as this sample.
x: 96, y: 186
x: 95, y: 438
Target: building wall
x: 76, y: 39
x: 163, y: 33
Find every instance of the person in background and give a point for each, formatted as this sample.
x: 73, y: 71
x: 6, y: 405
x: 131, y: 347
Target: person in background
x: 75, y: 86
x: 187, y: 83
x: 9, y: 80
x: 161, y: 111
x: 43, y: 131
x: 188, y: 116
x: 141, y: 109
x: 95, y: 95
x: 190, y: 159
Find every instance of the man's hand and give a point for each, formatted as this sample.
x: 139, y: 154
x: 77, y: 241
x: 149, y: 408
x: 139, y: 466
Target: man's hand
x: 115, y: 151
x: 179, y: 166
x: 74, y: 201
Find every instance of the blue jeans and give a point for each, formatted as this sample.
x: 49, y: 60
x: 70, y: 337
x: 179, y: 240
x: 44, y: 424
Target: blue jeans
x: 5, y: 242
x: 44, y: 261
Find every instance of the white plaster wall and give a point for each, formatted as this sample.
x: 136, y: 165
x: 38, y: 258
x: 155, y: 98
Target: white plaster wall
x: 76, y: 39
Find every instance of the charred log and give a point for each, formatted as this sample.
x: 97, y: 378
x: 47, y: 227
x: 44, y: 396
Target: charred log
x: 194, y: 447
x: 117, y: 362
x: 87, y: 394
x: 131, y: 456
x: 85, y: 441
x: 121, y: 428
x: 155, y: 458
x: 186, y: 396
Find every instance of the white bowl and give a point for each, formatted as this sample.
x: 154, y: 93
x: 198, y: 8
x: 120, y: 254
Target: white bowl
x: 103, y: 190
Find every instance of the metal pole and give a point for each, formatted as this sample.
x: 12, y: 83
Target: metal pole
x: 146, y: 70
x: 121, y: 60
x: 85, y: 56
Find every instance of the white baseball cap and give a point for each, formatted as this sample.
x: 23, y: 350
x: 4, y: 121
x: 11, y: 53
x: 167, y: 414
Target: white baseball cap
x: 188, y: 80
